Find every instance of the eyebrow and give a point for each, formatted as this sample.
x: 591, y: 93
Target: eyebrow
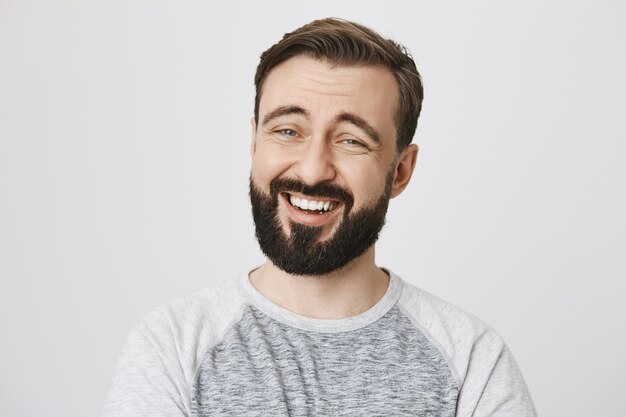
x: 360, y: 123
x: 285, y: 111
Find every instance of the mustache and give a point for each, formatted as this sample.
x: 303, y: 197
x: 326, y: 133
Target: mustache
x: 321, y: 189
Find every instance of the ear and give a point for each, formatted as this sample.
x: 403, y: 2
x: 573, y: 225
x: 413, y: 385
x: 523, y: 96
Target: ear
x: 253, y: 141
x: 404, y: 169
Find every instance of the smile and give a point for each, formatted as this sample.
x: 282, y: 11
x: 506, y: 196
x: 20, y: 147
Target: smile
x: 309, y: 205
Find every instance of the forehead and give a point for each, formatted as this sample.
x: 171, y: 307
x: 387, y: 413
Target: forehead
x: 325, y: 89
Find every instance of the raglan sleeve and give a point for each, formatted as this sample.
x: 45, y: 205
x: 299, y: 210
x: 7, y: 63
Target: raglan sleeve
x: 493, y: 385
x: 149, y: 378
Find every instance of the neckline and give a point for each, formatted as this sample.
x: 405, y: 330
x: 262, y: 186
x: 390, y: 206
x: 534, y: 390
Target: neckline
x: 278, y: 313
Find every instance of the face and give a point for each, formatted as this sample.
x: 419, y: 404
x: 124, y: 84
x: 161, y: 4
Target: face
x: 324, y: 163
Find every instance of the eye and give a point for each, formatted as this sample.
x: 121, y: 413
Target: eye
x: 286, y: 134
x: 353, y: 143
x: 352, y: 146
x: 290, y: 133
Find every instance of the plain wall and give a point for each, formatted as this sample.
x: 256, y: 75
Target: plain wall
x: 124, y: 161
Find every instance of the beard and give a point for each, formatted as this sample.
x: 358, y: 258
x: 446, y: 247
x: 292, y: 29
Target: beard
x: 301, y: 252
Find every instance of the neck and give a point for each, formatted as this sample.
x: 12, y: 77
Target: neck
x: 347, y: 292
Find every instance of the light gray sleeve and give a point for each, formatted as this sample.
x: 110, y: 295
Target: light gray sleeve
x: 154, y: 374
x: 149, y: 379
x: 490, y: 382
x: 493, y: 386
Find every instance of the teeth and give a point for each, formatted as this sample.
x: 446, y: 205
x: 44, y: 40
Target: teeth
x: 312, y: 205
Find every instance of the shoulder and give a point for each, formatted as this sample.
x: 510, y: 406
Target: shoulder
x: 456, y: 333
x: 192, y: 321
x: 489, y: 380
x: 180, y: 331
x: 213, y: 304
x: 164, y: 349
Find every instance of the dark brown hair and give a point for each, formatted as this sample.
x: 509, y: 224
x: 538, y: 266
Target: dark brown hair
x: 342, y: 42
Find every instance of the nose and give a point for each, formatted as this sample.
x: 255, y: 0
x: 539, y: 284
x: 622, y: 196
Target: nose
x: 316, y: 163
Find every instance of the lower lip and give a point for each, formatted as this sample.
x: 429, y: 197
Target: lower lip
x: 309, y: 219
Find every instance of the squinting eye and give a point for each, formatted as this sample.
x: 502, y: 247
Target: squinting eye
x: 287, y: 132
x: 352, y: 142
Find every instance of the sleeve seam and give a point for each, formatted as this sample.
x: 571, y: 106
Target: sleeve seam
x: 435, y: 342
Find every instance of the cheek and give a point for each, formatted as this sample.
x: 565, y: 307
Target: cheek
x: 267, y: 165
x: 366, y: 182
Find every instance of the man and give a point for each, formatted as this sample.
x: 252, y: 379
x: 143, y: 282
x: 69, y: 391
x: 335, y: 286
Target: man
x: 319, y: 329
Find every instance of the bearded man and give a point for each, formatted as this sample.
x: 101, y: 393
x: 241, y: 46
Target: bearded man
x: 320, y: 329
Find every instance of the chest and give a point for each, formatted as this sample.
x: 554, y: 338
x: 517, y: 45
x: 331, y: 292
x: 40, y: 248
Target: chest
x: 263, y: 367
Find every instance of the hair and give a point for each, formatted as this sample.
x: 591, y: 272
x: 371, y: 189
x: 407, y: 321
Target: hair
x: 345, y: 43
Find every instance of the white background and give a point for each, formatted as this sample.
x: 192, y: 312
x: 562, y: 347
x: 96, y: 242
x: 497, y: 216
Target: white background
x: 124, y: 134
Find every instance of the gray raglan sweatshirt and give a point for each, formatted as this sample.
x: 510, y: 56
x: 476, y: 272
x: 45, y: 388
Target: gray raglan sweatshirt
x: 229, y: 351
